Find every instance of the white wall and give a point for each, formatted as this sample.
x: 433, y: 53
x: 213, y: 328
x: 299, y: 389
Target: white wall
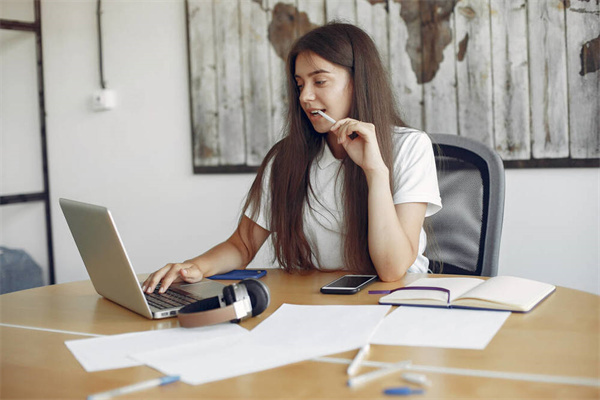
x: 136, y: 159
x: 551, y: 225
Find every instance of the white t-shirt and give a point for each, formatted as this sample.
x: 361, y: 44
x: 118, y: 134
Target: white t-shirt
x: 415, y: 181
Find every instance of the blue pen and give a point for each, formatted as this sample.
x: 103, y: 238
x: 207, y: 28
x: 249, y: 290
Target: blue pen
x: 402, y: 391
x: 134, y: 388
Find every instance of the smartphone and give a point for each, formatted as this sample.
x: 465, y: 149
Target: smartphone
x: 348, y: 284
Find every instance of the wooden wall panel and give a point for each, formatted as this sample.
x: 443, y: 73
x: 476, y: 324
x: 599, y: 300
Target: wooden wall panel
x: 256, y: 77
x: 203, y: 83
x: 521, y: 76
x: 511, y: 79
x: 548, y: 79
x: 315, y: 10
x: 474, y: 71
x: 409, y: 93
x: 583, y: 58
x: 276, y: 11
x: 232, y: 142
x: 440, y: 107
x: 373, y: 18
x: 341, y: 10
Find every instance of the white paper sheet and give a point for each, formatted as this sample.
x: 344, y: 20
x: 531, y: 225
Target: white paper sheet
x: 110, y: 352
x: 292, y: 333
x: 440, y: 327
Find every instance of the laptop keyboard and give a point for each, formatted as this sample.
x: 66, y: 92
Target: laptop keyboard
x: 170, y: 299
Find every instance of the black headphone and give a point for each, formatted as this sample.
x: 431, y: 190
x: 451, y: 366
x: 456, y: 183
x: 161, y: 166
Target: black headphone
x: 239, y: 301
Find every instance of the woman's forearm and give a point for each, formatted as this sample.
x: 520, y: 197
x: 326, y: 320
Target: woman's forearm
x: 222, y: 258
x: 234, y: 253
x: 390, y: 247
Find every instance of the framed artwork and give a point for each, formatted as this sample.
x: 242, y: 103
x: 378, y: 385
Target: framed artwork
x: 520, y: 76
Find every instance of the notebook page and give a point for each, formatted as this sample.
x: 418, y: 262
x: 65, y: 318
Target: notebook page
x: 457, y: 287
x: 510, y: 290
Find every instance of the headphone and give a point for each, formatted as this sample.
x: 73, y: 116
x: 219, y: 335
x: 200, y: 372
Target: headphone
x: 239, y: 301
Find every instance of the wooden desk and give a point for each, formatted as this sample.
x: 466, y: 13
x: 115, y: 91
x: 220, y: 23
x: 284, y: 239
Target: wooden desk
x: 558, y: 342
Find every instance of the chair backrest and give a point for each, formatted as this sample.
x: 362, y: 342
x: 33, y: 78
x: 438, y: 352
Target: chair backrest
x: 465, y: 237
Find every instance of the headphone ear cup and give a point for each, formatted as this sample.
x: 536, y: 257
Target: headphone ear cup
x: 229, y: 295
x: 259, y: 295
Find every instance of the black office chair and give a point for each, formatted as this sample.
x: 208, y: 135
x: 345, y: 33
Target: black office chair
x: 464, y: 237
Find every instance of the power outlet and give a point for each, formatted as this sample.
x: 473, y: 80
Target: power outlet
x: 104, y: 100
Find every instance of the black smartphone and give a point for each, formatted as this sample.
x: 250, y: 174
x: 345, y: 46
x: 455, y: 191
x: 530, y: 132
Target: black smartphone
x: 348, y: 284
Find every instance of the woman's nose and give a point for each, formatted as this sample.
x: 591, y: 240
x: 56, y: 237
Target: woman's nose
x: 306, y: 94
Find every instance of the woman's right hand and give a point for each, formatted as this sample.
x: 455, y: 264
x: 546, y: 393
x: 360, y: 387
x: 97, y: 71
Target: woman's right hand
x: 186, y: 271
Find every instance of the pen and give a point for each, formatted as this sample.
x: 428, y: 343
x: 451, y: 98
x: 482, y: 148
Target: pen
x: 134, y: 388
x: 415, y: 378
x: 360, y: 356
x: 380, y: 373
x: 327, y: 117
x: 362, y: 353
x: 352, y: 136
x: 402, y: 391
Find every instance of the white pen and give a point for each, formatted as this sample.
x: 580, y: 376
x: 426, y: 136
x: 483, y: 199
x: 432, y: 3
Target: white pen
x: 352, y: 136
x: 134, y: 388
x: 415, y: 378
x: 380, y: 373
x: 362, y: 353
x: 327, y: 117
x: 358, y: 359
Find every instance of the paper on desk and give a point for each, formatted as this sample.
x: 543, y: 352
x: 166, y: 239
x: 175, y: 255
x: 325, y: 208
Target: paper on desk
x: 110, y: 352
x: 440, y: 327
x: 291, y: 334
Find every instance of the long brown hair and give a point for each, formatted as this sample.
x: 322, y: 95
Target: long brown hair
x: 289, y: 185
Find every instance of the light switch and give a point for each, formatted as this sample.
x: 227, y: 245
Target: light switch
x: 104, y: 100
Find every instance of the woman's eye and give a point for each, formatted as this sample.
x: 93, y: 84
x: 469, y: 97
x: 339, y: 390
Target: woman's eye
x: 320, y: 82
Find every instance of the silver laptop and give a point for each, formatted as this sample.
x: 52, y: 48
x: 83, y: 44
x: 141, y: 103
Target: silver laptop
x: 111, y: 272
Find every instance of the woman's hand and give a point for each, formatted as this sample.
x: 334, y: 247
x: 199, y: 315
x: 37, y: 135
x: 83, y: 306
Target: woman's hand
x: 360, y: 142
x: 186, y: 271
x: 234, y: 253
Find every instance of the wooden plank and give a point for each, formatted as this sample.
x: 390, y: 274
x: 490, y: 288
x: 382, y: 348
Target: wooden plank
x: 341, y: 10
x: 548, y: 79
x: 314, y: 9
x: 203, y: 83
x: 439, y: 51
x: 583, y: 48
x: 256, y: 75
x: 511, y: 83
x: 277, y: 53
x: 364, y: 16
x: 229, y: 82
x: 474, y: 71
x: 372, y: 17
x: 405, y: 57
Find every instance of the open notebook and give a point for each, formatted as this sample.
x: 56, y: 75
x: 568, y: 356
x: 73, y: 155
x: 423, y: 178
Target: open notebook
x: 506, y: 293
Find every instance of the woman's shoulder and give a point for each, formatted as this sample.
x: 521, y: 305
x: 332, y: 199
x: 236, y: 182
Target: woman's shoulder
x: 404, y: 137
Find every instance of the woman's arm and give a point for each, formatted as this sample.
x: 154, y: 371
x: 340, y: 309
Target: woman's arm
x: 235, y: 252
x: 394, y: 230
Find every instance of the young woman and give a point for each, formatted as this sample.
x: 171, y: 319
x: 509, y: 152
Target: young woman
x: 348, y: 195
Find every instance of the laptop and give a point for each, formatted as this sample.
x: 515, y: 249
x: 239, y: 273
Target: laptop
x: 111, y: 272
